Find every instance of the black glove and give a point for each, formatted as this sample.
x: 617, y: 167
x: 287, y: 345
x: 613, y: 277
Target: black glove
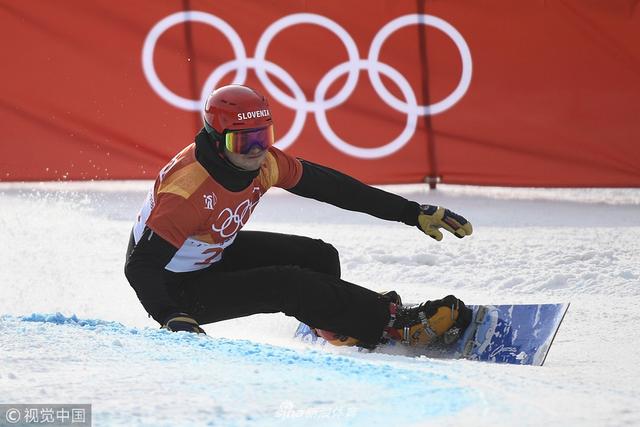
x: 182, y: 322
x: 432, y: 218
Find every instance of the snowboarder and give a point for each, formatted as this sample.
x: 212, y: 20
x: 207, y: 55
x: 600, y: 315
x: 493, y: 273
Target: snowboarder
x: 190, y: 263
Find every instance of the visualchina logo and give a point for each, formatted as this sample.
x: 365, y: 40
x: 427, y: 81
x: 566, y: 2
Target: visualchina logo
x: 253, y: 114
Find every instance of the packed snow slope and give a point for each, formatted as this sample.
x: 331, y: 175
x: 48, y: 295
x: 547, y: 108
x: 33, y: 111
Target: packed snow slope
x: 72, y: 330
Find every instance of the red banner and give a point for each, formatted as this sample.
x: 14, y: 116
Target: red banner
x: 496, y: 93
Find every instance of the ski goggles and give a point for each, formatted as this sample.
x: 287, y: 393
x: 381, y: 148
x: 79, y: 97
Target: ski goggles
x: 242, y: 141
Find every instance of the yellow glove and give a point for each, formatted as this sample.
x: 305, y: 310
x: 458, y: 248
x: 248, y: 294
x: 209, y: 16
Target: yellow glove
x: 432, y: 218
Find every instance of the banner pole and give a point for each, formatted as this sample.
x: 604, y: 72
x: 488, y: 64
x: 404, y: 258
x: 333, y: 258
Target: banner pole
x: 432, y: 178
x: 191, y: 58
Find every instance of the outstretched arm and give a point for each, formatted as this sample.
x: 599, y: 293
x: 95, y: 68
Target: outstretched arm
x: 331, y: 186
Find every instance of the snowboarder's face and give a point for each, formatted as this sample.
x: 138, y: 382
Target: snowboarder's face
x: 250, y: 161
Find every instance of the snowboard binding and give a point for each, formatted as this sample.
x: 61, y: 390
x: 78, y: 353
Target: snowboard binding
x: 440, y: 320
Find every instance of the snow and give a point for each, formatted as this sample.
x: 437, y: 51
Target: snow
x: 72, y: 330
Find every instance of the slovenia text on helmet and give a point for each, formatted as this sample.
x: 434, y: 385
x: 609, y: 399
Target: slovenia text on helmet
x: 235, y: 107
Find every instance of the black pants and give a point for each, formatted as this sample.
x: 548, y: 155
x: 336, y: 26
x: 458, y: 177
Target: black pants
x: 269, y: 272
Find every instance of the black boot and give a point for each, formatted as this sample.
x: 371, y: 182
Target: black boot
x: 342, y: 340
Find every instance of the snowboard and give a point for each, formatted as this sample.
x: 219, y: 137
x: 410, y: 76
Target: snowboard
x: 519, y: 334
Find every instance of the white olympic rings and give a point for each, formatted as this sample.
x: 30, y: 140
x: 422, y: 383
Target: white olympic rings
x: 319, y: 105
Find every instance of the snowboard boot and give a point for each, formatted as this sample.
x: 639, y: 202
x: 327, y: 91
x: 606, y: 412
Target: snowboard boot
x: 428, y: 322
x: 342, y: 340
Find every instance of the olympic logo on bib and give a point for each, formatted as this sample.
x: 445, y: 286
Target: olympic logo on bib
x: 320, y: 105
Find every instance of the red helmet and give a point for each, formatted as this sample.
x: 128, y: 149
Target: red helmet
x: 235, y: 107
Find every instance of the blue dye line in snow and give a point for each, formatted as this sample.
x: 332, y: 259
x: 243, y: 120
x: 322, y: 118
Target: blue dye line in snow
x: 60, y: 319
x: 435, y: 393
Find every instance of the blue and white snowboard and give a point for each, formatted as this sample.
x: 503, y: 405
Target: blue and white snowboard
x: 518, y: 334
